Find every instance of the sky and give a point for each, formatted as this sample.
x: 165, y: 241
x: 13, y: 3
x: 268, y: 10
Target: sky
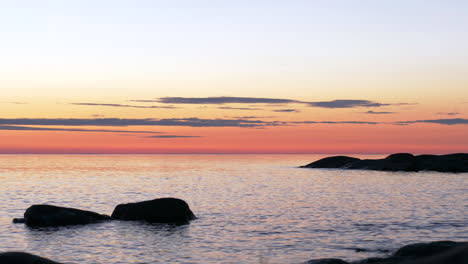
x: 241, y: 76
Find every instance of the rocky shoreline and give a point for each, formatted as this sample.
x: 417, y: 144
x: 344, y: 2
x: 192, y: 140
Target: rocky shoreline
x: 457, y: 162
x: 437, y: 252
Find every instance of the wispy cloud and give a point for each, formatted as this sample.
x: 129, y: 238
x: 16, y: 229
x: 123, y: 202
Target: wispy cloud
x: 339, y: 103
x: 286, y: 110
x: 173, y: 136
x: 238, y: 108
x: 28, y: 128
x: 346, y: 104
x: 449, y: 113
x: 219, y: 100
x: 337, y: 122
x: 453, y: 121
x: 253, y: 117
x: 377, y: 112
x: 124, y: 105
x: 4, y: 102
x: 189, y: 122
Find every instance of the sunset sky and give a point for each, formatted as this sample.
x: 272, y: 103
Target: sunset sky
x: 208, y: 76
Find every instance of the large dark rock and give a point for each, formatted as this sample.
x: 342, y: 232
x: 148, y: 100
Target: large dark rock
x: 426, y: 249
x: 23, y: 258
x: 398, y: 162
x: 50, y: 215
x: 162, y: 210
x: 457, y: 255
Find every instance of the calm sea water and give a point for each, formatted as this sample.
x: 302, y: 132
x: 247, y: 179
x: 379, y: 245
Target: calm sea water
x: 251, y: 208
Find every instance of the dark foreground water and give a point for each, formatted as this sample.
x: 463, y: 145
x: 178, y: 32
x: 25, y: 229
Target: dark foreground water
x: 251, y: 208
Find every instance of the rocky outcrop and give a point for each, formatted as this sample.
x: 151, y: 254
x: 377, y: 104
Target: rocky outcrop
x: 439, y: 252
x: 23, y: 258
x: 398, y: 162
x: 50, y: 215
x: 162, y: 210
x: 332, y: 162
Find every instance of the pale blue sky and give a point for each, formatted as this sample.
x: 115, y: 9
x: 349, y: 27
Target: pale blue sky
x: 235, y: 39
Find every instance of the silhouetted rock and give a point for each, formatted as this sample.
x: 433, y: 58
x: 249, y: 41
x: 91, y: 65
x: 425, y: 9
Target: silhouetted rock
x: 398, y: 162
x: 426, y: 249
x: 50, y: 215
x: 400, y: 157
x: 439, y: 252
x: 162, y: 210
x: 326, y: 261
x: 23, y: 258
x: 331, y: 162
x: 456, y: 255
x: 371, y: 261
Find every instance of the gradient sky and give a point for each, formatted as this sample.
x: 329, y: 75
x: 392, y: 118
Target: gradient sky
x: 213, y: 76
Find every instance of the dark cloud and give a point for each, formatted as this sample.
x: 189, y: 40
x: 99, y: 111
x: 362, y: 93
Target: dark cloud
x: 453, y: 121
x: 449, y: 114
x: 337, y: 122
x: 123, y: 105
x: 252, y: 117
x: 238, y: 108
x: 222, y: 100
x: 272, y: 105
x: 267, y: 102
x: 346, y: 104
x: 286, y: 110
x: 173, y: 136
x: 27, y: 128
x: 189, y: 122
x: 377, y: 112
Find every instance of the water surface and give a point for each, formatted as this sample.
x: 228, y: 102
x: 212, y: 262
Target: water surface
x: 250, y: 208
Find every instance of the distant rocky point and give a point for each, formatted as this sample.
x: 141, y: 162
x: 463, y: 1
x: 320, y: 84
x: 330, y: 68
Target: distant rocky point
x: 398, y: 162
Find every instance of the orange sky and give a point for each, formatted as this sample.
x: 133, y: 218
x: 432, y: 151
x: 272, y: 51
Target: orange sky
x: 263, y: 77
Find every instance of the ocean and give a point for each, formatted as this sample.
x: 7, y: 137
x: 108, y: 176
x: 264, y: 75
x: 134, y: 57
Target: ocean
x: 250, y: 208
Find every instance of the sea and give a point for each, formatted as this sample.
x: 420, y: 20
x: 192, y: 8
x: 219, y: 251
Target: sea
x: 250, y: 208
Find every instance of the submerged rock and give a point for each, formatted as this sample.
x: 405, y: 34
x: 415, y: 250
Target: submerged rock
x: 23, y: 258
x: 162, y: 210
x: 398, y: 162
x: 50, y: 215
